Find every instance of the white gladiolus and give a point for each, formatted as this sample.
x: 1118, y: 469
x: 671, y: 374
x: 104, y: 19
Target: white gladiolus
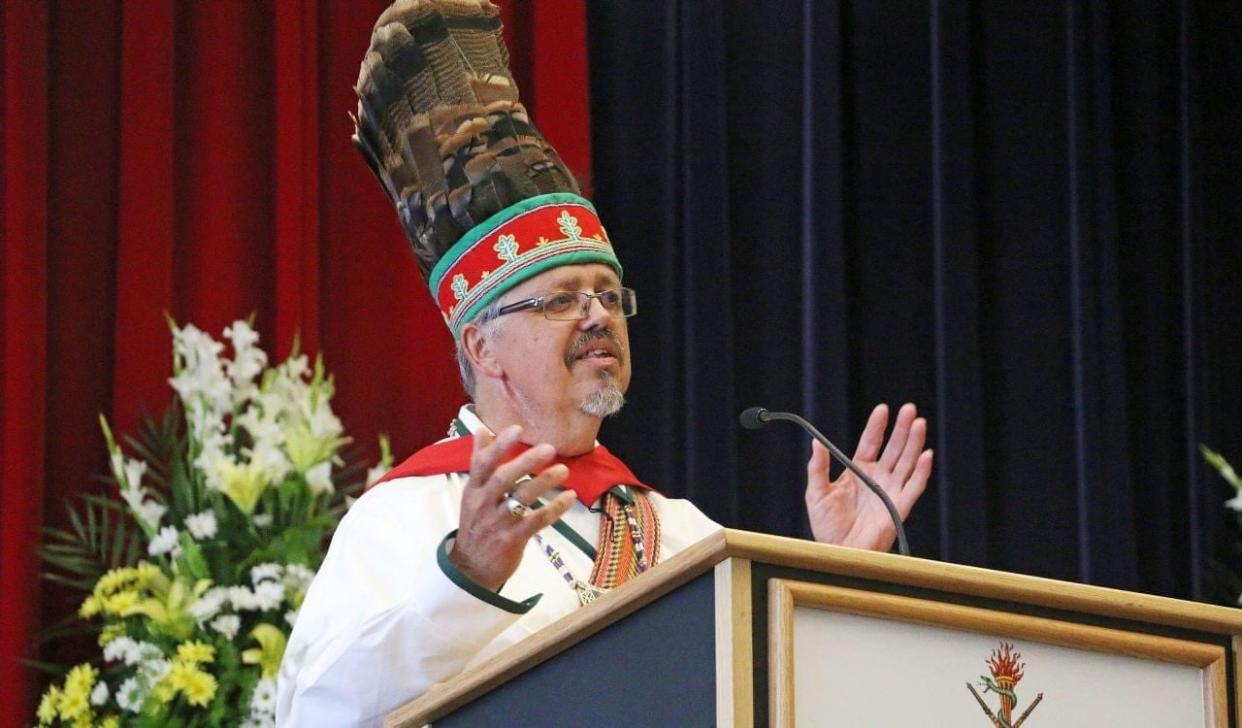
x: 147, y: 510
x: 319, y: 477
x: 151, y: 512
x: 271, y: 460
x: 165, y: 542
x: 134, y: 470
x: 202, y: 525
x: 324, y: 424
x: 99, y: 695
x: 248, y: 360
x: 201, y: 372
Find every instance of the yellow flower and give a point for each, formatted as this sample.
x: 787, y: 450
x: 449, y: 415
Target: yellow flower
x: 145, y: 573
x: 110, y: 721
x: 270, y: 651
x: 109, y: 633
x: 49, y: 705
x: 305, y: 449
x: 115, y: 579
x: 196, y: 652
x: 199, y: 687
x: 90, y: 607
x: 243, y: 484
x: 83, y: 720
x: 120, y: 602
x: 75, y: 698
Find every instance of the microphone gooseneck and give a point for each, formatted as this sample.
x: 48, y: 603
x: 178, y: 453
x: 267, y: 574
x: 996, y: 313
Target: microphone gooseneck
x: 754, y: 418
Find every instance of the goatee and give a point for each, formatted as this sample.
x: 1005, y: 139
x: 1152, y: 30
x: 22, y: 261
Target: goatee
x: 605, y: 401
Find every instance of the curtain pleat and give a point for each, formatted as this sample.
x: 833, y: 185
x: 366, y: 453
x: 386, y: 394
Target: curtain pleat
x: 25, y: 270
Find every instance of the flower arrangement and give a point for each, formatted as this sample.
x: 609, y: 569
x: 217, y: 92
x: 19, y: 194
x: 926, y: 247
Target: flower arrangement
x: 1225, y: 576
x: 194, y: 577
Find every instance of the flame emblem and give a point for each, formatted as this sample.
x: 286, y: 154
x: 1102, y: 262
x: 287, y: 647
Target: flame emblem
x: 1006, y: 668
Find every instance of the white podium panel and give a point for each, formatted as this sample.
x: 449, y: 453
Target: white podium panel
x: 843, y: 657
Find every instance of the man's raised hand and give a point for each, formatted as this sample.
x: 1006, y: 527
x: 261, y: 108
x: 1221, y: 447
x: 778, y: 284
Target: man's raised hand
x: 490, y: 537
x: 844, y: 511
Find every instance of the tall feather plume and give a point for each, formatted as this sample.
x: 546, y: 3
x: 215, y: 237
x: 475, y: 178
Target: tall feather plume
x: 440, y: 124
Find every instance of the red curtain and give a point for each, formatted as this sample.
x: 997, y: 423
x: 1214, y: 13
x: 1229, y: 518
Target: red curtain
x: 193, y: 159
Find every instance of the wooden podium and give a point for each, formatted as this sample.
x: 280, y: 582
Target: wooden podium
x: 751, y: 630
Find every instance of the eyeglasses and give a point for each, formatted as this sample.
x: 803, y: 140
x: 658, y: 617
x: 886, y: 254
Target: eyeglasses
x: 575, y: 305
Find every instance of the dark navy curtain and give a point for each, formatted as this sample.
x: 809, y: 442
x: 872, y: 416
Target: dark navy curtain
x: 1024, y: 217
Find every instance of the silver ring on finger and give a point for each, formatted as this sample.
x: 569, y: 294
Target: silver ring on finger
x: 516, y: 507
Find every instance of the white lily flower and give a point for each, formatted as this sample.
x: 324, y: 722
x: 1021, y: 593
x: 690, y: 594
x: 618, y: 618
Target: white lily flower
x: 134, y: 470
x: 151, y: 512
x: 165, y: 542
x: 248, y: 359
x: 319, y: 477
x: 202, y: 525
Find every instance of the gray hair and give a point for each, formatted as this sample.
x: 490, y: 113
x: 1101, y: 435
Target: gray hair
x: 485, y: 320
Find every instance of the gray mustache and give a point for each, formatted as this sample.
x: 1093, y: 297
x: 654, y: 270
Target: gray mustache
x: 587, y: 337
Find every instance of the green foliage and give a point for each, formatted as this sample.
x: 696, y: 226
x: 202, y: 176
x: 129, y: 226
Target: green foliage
x: 1223, y: 573
x: 101, y: 537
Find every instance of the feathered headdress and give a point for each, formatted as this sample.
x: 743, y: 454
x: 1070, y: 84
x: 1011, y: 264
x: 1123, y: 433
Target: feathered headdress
x: 484, y: 199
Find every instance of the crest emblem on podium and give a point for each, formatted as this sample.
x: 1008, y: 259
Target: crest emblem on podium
x: 1006, y: 670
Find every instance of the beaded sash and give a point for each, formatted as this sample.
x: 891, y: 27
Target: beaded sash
x: 629, y: 539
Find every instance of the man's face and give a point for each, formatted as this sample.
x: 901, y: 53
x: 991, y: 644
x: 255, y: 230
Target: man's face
x: 554, y: 367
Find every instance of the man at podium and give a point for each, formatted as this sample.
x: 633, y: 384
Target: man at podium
x: 519, y: 516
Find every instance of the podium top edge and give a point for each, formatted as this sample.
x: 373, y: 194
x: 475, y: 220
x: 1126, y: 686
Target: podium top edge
x: 981, y: 582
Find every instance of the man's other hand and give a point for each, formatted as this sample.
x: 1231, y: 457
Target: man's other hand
x: 844, y: 511
x: 490, y: 538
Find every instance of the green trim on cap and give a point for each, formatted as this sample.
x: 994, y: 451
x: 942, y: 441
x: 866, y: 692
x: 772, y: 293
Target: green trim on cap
x: 488, y: 226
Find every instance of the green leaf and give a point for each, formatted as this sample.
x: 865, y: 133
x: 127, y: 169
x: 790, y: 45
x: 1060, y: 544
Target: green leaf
x: 1218, y: 461
x: 191, y: 562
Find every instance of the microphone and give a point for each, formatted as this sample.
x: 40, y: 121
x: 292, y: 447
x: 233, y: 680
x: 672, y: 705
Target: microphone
x: 754, y: 418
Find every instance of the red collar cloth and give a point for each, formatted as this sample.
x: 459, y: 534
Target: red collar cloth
x: 590, y: 474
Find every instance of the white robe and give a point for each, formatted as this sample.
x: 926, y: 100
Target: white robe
x: 382, y: 623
